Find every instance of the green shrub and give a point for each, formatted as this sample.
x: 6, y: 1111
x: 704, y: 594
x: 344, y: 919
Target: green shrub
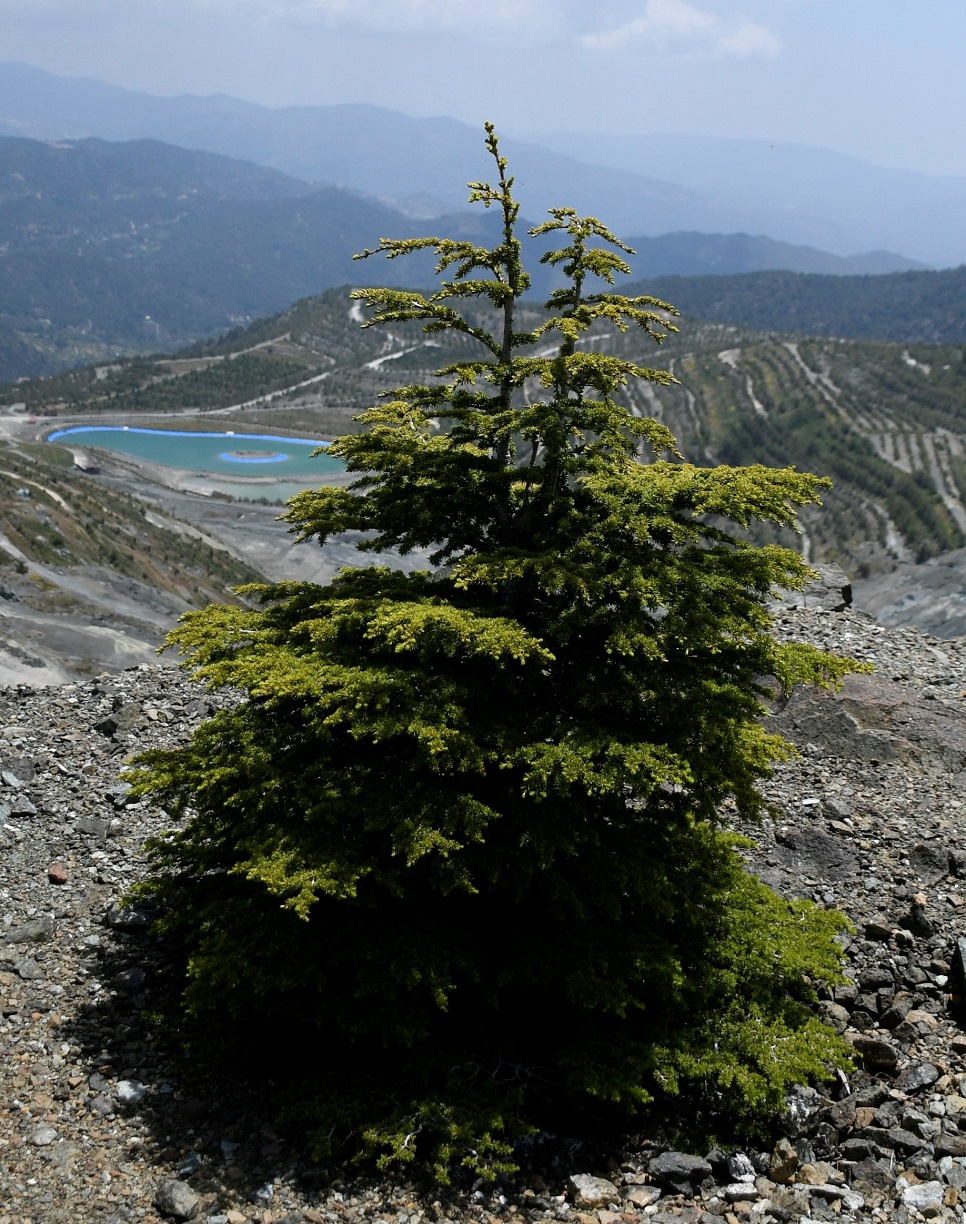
x: 453, y: 868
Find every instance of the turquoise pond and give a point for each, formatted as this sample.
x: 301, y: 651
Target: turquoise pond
x: 238, y: 455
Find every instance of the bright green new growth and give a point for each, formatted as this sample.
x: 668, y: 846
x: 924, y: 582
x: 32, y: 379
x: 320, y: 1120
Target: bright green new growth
x: 455, y: 863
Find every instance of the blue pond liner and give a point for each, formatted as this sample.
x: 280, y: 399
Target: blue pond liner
x: 205, y: 452
x: 230, y: 458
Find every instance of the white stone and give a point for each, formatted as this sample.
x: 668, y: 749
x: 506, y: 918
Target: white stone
x: 740, y: 1192
x: 129, y: 1092
x: 593, y: 1191
x: 924, y: 1195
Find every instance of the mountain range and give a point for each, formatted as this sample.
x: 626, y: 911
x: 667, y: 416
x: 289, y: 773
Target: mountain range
x: 641, y: 184
x: 134, y: 246
x: 922, y: 307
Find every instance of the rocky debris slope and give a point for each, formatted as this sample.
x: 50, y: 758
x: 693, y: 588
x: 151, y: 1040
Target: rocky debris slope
x: 931, y: 595
x: 871, y: 818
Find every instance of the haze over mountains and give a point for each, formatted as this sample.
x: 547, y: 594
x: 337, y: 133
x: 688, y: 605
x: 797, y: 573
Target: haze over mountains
x: 132, y: 246
x: 641, y: 185
x: 129, y: 223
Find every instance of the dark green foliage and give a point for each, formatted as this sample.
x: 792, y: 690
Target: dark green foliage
x: 454, y: 865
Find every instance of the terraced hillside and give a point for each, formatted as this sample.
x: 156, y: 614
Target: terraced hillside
x: 886, y: 421
x: 886, y: 424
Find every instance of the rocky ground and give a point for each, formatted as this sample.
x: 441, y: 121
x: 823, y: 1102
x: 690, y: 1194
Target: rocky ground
x: 98, y: 1127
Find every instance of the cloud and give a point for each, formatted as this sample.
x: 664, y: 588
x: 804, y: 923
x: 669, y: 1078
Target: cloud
x: 674, y: 27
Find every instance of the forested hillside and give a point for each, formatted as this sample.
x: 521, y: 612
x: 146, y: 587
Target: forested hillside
x: 108, y: 248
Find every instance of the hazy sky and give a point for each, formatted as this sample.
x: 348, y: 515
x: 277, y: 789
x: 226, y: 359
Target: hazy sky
x: 878, y: 79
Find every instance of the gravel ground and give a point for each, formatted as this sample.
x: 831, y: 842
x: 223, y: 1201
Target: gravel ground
x: 97, y: 1126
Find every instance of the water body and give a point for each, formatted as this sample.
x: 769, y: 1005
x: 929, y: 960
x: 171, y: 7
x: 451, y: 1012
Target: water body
x: 244, y: 465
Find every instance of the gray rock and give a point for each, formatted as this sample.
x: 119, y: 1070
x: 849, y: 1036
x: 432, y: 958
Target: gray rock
x: 176, y: 1199
x: 126, y: 717
x: 129, y: 981
x: 850, y: 1199
x: 62, y: 1156
x: 130, y: 1092
x: 879, y: 929
x: 802, y: 1106
x: 946, y: 1145
x: 836, y: 1015
x: 20, y: 805
x: 894, y: 1138
x: 641, y: 1196
x: 740, y: 1168
x: 93, y: 826
x: 897, y: 1010
x: 916, y: 1076
x: 591, y: 1191
x: 952, y: 1172
x: 863, y: 1149
x: 814, y: 853
x: 925, y: 1127
x: 919, y: 923
x: 28, y: 970
x: 128, y: 917
x: 738, y: 1192
x: 877, y: 1055
x: 831, y: 591
x: 43, y: 1135
x: 37, y: 930
x: 930, y: 862
x: 679, y: 1172
x: 875, y: 1174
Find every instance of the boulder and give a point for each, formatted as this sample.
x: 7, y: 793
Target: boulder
x: 679, y: 1172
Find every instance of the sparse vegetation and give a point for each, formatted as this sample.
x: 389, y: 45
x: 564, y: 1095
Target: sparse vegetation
x: 68, y: 520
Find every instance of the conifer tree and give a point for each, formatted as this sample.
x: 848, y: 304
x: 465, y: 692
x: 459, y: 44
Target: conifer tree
x: 456, y: 863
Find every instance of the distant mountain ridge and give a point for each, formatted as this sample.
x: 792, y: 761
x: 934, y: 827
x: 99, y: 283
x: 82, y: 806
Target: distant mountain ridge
x: 419, y: 165
x: 694, y: 254
x: 925, y: 307
x: 131, y: 247
x: 142, y: 246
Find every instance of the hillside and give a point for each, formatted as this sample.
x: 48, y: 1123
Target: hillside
x: 868, y: 818
x: 693, y: 254
x: 90, y: 576
x: 887, y: 422
x: 142, y: 246
x: 920, y: 307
